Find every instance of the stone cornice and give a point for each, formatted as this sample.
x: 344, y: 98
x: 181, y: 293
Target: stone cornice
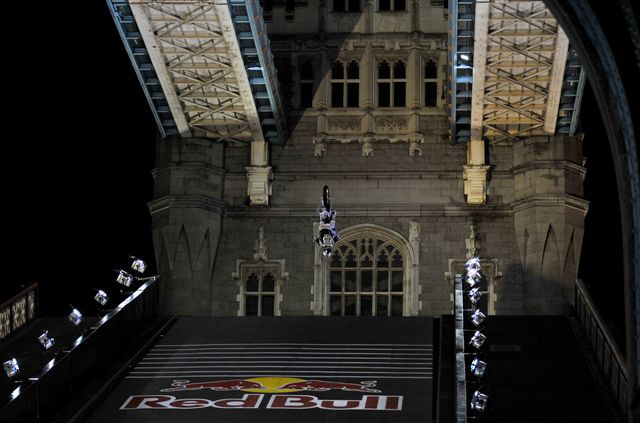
x: 549, y: 164
x: 188, y: 166
x: 186, y: 201
x: 548, y: 200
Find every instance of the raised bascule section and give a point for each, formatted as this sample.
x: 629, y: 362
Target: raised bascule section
x: 513, y: 75
x: 207, y: 72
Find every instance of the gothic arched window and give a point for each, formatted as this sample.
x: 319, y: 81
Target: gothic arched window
x: 306, y: 84
x: 366, y: 278
x: 392, y: 84
x: 430, y: 84
x: 260, y: 294
x: 345, y: 84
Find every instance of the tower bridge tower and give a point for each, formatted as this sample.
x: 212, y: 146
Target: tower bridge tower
x: 424, y: 120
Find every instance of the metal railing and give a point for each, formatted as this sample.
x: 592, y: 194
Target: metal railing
x: 65, y: 375
x: 610, y: 361
x: 18, y: 310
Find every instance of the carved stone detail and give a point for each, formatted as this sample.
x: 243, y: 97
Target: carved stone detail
x: 260, y: 247
x: 391, y: 124
x: 320, y: 148
x: 367, y: 147
x: 344, y: 124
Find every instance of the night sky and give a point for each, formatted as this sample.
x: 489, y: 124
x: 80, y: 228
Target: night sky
x: 78, y: 149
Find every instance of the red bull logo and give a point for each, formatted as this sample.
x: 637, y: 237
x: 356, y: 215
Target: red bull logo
x: 273, y: 385
x: 256, y: 389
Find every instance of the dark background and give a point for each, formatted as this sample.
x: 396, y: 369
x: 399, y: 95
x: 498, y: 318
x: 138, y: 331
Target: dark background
x: 78, y: 150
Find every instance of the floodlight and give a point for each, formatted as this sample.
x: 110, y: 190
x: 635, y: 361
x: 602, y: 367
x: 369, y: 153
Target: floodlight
x: 477, y: 318
x: 479, y: 401
x: 75, y: 316
x: 478, y: 367
x: 45, y: 340
x: 11, y: 367
x: 101, y: 297
x: 124, y: 278
x: 473, y: 263
x: 475, y: 295
x: 464, y: 56
x: 138, y: 265
x: 477, y: 340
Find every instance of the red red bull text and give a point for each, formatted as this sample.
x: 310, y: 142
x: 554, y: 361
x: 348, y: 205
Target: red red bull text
x: 253, y: 401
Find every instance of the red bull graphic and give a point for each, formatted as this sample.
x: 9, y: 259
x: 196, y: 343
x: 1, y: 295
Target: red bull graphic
x: 253, y: 401
x: 273, y: 385
x: 259, y: 386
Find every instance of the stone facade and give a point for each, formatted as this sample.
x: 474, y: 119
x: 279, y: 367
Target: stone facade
x: 388, y: 168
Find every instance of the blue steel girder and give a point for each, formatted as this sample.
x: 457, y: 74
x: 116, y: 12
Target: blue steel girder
x: 134, y: 45
x: 461, y: 26
x: 251, y: 33
x: 571, y: 98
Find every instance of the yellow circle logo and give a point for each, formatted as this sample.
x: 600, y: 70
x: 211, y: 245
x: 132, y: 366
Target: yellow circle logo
x: 272, y: 384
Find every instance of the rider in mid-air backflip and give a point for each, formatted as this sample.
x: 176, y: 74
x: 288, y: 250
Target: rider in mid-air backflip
x: 328, y: 234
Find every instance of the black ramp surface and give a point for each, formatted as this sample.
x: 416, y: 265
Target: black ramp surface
x: 281, y: 369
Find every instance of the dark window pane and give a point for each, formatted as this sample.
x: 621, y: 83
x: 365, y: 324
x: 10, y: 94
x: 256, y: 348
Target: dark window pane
x: 337, y: 94
x: 267, y: 305
x: 396, y: 305
x: 397, y: 260
x: 399, y: 71
x: 384, y: 5
x: 349, y: 305
x: 384, y: 94
x: 251, y: 305
x: 366, y: 279
x: 252, y: 283
x: 267, y: 5
x: 306, y: 94
x: 430, y: 93
x: 336, y: 260
x: 335, y: 304
x: 399, y: 94
x: 382, y: 281
x: 350, y: 281
x: 396, y: 281
x: 353, y: 94
x: 383, y: 260
x: 306, y: 71
x: 430, y: 69
x: 336, y: 281
x: 353, y: 70
x: 337, y: 72
x: 350, y: 259
x: 366, y: 305
x: 338, y: 5
x: 382, y: 305
x: 384, y: 70
x: 354, y: 5
x: 399, y: 5
x: 289, y: 5
x: 366, y: 262
x: 268, y: 283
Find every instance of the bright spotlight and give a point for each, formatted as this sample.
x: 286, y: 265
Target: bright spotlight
x: 475, y: 295
x: 124, y: 278
x: 101, y: 297
x: 464, y: 57
x: 473, y: 263
x: 477, y: 340
x: 478, y: 367
x: 45, y: 340
x: 477, y: 318
x: 138, y: 265
x: 11, y: 367
x: 479, y: 401
x: 75, y: 316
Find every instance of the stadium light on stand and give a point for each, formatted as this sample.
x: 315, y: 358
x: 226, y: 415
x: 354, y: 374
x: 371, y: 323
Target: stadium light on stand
x: 138, y: 265
x: 101, y: 297
x: 477, y: 340
x: 45, y: 340
x: 479, y: 401
x: 75, y: 317
x: 477, y: 318
x: 11, y: 368
x: 478, y: 367
x: 475, y: 295
x: 124, y: 278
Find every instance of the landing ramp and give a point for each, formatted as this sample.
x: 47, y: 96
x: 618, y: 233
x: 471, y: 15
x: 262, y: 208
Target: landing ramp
x: 281, y: 369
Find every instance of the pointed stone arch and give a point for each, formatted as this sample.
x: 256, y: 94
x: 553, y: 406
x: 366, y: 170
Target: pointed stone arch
x: 383, y: 237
